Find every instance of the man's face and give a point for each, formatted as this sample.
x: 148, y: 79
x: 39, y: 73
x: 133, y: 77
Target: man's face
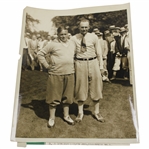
x: 63, y: 35
x: 84, y: 27
x: 115, y: 32
x: 123, y: 33
x: 33, y: 37
x: 49, y: 37
x: 39, y: 39
x: 42, y: 38
x: 69, y: 35
x: 97, y: 33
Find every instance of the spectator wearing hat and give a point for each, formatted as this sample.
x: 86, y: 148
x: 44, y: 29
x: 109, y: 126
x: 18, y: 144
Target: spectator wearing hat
x: 110, y: 56
x: 126, y: 27
x: 95, y: 29
x: 121, y: 49
x: 40, y: 46
x: 129, y: 56
x: 25, y: 51
x: 39, y: 43
x: 126, y: 45
x: 44, y: 41
x: 49, y: 38
x: 32, y: 51
x: 114, y: 45
x: 104, y: 47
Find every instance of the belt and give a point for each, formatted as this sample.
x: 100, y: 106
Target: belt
x: 85, y: 59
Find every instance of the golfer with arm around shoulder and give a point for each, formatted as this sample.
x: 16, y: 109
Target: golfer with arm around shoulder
x: 88, y: 69
x: 60, y: 84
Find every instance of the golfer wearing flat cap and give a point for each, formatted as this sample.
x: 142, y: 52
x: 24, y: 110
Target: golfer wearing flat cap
x: 88, y: 69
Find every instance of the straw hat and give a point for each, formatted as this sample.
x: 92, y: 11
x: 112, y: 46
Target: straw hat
x: 28, y: 34
x: 101, y: 33
x: 95, y: 29
x: 113, y: 27
x: 126, y: 27
x: 123, y: 29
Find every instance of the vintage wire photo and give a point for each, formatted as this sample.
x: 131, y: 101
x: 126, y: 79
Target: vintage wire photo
x: 75, y: 79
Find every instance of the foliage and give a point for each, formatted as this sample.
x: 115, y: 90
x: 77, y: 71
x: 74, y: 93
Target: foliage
x: 100, y: 20
x: 30, y: 26
x: 30, y: 23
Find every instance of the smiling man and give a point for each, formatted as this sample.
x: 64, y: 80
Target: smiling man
x: 60, y: 85
x: 88, y: 69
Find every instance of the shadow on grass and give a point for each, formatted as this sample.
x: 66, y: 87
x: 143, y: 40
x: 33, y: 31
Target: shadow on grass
x: 41, y: 109
x: 122, y: 82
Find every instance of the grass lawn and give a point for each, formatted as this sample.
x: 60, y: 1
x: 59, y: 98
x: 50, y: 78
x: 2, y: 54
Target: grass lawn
x: 34, y: 113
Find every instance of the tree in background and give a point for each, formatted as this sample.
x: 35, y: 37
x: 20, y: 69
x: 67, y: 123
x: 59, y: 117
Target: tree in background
x: 100, y: 20
x: 43, y: 33
x: 31, y: 28
x: 30, y: 24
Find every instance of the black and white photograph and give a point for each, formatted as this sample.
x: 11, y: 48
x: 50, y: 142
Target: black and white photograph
x: 76, y: 77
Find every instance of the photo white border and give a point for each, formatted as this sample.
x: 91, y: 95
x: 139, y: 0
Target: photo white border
x: 86, y: 10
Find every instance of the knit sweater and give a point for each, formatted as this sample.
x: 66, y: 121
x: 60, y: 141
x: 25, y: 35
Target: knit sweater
x: 61, y: 55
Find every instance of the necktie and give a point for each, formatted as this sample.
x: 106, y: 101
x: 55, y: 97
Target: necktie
x: 83, y: 45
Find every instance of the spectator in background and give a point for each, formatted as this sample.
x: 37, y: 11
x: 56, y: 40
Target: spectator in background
x: 38, y: 36
x: 95, y: 29
x: 127, y: 29
x: 32, y: 51
x: 121, y: 50
x: 25, y: 51
x: 110, y: 56
x: 40, y: 43
x: 40, y: 46
x: 129, y: 56
x: 114, y: 47
x: 104, y: 48
x: 54, y: 37
x: 44, y: 41
x: 49, y: 38
x: 69, y: 35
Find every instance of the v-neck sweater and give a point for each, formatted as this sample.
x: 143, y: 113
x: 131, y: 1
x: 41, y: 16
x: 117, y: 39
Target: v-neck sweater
x: 60, y: 55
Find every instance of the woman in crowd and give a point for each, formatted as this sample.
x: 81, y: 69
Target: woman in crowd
x: 40, y: 46
x: 32, y: 50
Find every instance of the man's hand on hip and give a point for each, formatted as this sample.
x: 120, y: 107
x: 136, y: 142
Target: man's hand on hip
x: 51, y: 67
